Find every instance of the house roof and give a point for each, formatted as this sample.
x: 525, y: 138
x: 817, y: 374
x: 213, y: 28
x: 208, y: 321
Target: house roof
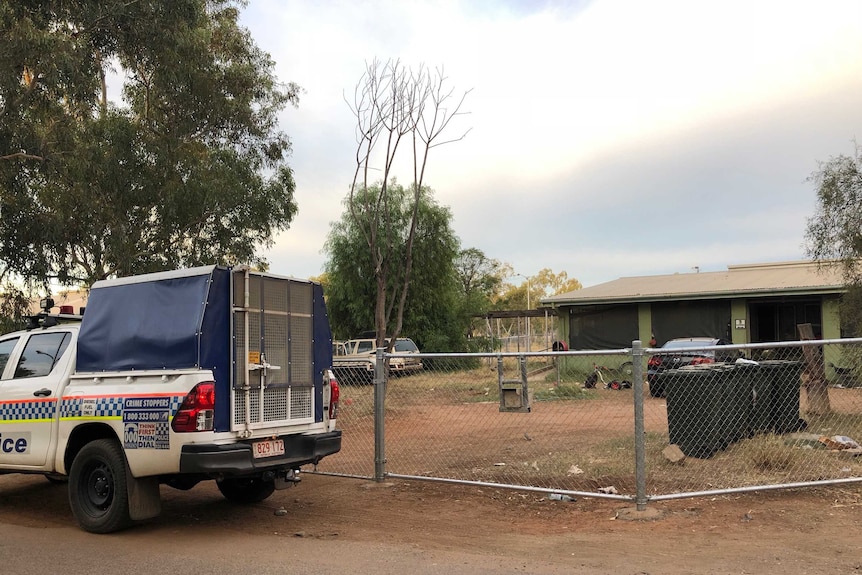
x: 782, y: 278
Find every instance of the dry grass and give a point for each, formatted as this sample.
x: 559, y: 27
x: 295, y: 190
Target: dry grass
x: 447, y: 424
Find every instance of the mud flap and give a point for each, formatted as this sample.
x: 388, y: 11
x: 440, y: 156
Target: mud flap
x: 145, y: 502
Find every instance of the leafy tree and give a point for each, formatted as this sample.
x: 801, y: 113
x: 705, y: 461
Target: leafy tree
x: 545, y: 283
x: 478, y: 274
x: 480, y: 280
x: 834, y: 238
x: 190, y: 168
x: 323, y: 280
x: 430, y: 315
x: 14, y: 306
x: 396, y: 109
x: 834, y: 234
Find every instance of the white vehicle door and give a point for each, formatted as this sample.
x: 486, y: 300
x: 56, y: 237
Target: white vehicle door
x: 35, y: 367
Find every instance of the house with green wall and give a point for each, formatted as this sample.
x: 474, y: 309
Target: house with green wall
x: 748, y: 303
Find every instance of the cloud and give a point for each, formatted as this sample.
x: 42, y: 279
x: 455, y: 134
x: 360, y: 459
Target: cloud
x: 607, y: 137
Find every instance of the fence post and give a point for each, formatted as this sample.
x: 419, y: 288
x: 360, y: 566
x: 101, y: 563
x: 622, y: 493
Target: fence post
x: 379, y: 411
x: 640, y: 439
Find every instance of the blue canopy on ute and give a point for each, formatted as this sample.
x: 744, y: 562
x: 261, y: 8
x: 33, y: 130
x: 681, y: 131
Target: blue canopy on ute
x: 182, y: 320
x: 170, y: 320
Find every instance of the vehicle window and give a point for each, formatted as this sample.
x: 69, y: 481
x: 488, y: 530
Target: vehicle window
x: 7, y: 346
x: 42, y: 353
x: 405, y: 345
x: 365, y: 346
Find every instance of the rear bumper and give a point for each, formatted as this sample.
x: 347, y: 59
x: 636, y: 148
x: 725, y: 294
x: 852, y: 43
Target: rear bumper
x: 236, y: 459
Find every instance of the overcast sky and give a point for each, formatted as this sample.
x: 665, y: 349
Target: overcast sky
x: 608, y: 138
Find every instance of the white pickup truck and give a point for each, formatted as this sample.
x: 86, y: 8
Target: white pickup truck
x: 171, y: 378
x: 354, y: 359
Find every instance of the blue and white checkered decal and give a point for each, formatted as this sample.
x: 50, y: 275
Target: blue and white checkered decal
x: 71, y: 407
x: 91, y: 407
x: 28, y: 410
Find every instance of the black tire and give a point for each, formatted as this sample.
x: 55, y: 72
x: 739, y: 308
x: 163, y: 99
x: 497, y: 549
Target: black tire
x: 245, y: 490
x: 590, y: 381
x: 98, y: 492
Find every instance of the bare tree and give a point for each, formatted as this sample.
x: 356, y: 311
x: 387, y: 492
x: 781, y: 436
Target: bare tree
x: 397, y: 109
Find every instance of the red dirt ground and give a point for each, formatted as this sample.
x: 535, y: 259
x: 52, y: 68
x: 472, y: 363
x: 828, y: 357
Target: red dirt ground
x: 810, y: 531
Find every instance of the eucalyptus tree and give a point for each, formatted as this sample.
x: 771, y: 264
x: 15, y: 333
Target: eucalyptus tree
x: 834, y: 238
x: 184, y: 164
x: 834, y: 233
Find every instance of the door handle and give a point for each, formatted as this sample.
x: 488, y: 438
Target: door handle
x: 44, y: 392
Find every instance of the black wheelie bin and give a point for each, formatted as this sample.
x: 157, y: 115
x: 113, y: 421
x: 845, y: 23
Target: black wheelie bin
x: 707, y: 407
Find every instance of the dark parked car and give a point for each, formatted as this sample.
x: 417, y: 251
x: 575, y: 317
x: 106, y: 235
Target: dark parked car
x: 685, y: 351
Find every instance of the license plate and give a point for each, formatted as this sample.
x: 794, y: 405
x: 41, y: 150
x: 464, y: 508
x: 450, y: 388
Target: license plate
x: 268, y: 448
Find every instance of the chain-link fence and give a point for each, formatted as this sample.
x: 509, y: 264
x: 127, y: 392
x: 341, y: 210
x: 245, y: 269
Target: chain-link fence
x: 636, y: 424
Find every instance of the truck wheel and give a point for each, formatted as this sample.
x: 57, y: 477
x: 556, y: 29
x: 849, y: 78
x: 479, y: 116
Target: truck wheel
x: 97, y: 487
x: 245, y: 490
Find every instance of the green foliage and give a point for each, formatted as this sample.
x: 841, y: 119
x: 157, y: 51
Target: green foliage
x: 189, y: 169
x: 479, y: 275
x: 834, y: 234
x: 851, y: 311
x: 480, y: 280
x: 545, y: 283
x: 433, y: 316
x: 549, y: 283
x: 835, y: 230
x: 14, y: 307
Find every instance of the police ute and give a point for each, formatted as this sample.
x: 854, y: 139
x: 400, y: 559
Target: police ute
x: 209, y: 373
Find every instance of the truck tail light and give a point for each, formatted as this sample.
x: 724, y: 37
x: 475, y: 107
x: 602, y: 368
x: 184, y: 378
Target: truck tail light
x: 196, y: 411
x: 701, y: 360
x: 334, y: 394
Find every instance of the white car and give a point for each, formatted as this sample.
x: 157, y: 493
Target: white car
x: 354, y: 359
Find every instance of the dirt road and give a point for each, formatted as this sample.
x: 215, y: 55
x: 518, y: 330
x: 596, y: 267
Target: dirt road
x: 337, y: 525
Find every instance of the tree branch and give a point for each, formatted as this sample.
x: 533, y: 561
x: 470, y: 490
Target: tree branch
x: 22, y: 156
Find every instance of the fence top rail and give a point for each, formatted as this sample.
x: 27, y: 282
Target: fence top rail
x: 491, y: 354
